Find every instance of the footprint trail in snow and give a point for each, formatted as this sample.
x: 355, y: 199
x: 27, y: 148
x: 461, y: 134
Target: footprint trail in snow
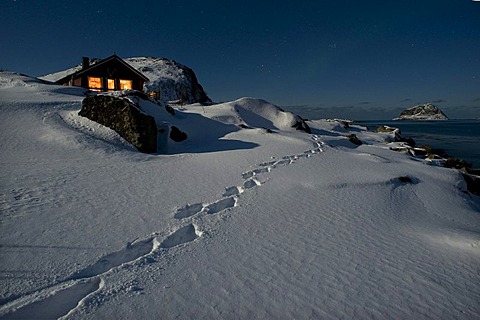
x: 66, y: 296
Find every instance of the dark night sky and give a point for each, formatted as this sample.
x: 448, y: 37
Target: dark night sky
x: 328, y: 54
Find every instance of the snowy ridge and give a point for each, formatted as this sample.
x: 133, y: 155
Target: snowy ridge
x: 255, y: 113
x: 240, y: 223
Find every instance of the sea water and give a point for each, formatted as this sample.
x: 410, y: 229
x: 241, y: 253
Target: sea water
x: 458, y: 138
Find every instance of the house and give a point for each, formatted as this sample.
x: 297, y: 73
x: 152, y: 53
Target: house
x: 109, y: 74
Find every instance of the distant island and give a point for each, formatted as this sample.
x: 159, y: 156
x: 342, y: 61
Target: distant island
x: 422, y: 112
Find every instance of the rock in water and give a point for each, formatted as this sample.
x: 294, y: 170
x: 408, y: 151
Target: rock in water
x: 422, y: 112
x: 125, y: 118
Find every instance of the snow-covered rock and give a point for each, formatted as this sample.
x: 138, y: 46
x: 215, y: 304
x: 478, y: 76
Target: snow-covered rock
x: 422, y: 112
x: 125, y: 118
x: 171, y: 80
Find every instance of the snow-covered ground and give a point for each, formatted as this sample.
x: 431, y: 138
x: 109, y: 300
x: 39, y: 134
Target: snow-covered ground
x: 244, y: 224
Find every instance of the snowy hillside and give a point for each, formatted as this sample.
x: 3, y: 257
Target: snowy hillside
x: 239, y: 224
x: 173, y: 80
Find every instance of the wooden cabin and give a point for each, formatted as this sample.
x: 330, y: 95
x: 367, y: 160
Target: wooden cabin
x: 109, y: 74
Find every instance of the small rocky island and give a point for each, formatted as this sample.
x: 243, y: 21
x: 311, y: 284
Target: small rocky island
x: 422, y: 112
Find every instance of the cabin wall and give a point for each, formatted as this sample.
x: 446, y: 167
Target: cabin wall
x: 111, y: 70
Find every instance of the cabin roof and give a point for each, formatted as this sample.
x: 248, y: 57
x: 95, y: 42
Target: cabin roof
x: 100, y: 63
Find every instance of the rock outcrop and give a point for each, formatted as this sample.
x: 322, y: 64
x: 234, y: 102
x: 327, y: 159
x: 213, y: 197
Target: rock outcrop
x: 302, y: 125
x: 422, y: 112
x: 177, y: 135
x: 396, y: 135
x: 354, y: 139
x: 172, y: 81
x: 125, y: 118
x: 472, y: 180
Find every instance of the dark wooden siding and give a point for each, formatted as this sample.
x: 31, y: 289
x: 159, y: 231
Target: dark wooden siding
x: 112, y: 69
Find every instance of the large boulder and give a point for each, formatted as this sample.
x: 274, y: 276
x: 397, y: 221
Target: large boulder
x: 125, y: 118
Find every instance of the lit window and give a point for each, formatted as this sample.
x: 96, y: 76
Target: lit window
x: 111, y: 84
x: 125, y: 84
x: 95, y: 83
x: 154, y: 94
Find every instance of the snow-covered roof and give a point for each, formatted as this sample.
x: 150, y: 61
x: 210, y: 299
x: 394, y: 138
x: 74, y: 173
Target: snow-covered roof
x: 100, y: 63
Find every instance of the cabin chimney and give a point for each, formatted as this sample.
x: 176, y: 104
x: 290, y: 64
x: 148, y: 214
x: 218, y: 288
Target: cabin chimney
x: 85, y: 63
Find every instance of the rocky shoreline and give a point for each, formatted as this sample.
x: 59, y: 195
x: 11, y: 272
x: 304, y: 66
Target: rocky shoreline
x: 435, y: 156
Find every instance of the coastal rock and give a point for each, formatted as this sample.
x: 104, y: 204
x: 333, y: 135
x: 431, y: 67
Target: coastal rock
x: 422, y: 112
x: 125, y: 118
x: 396, y: 135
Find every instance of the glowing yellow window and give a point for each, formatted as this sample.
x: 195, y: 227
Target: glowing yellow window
x: 154, y: 94
x: 125, y: 84
x: 111, y: 84
x: 95, y: 83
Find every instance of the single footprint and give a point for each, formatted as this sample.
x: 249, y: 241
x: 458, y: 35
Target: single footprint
x: 266, y: 164
x: 283, y: 162
x: 232, y: 191
x: 251, y: 183
x: 221, y: 205
x: 188, y: 211
x: 58, y: 304
x: 183, y: 235
x: 130, y: 253
x: 262, y: 170
x: 248, y: 174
